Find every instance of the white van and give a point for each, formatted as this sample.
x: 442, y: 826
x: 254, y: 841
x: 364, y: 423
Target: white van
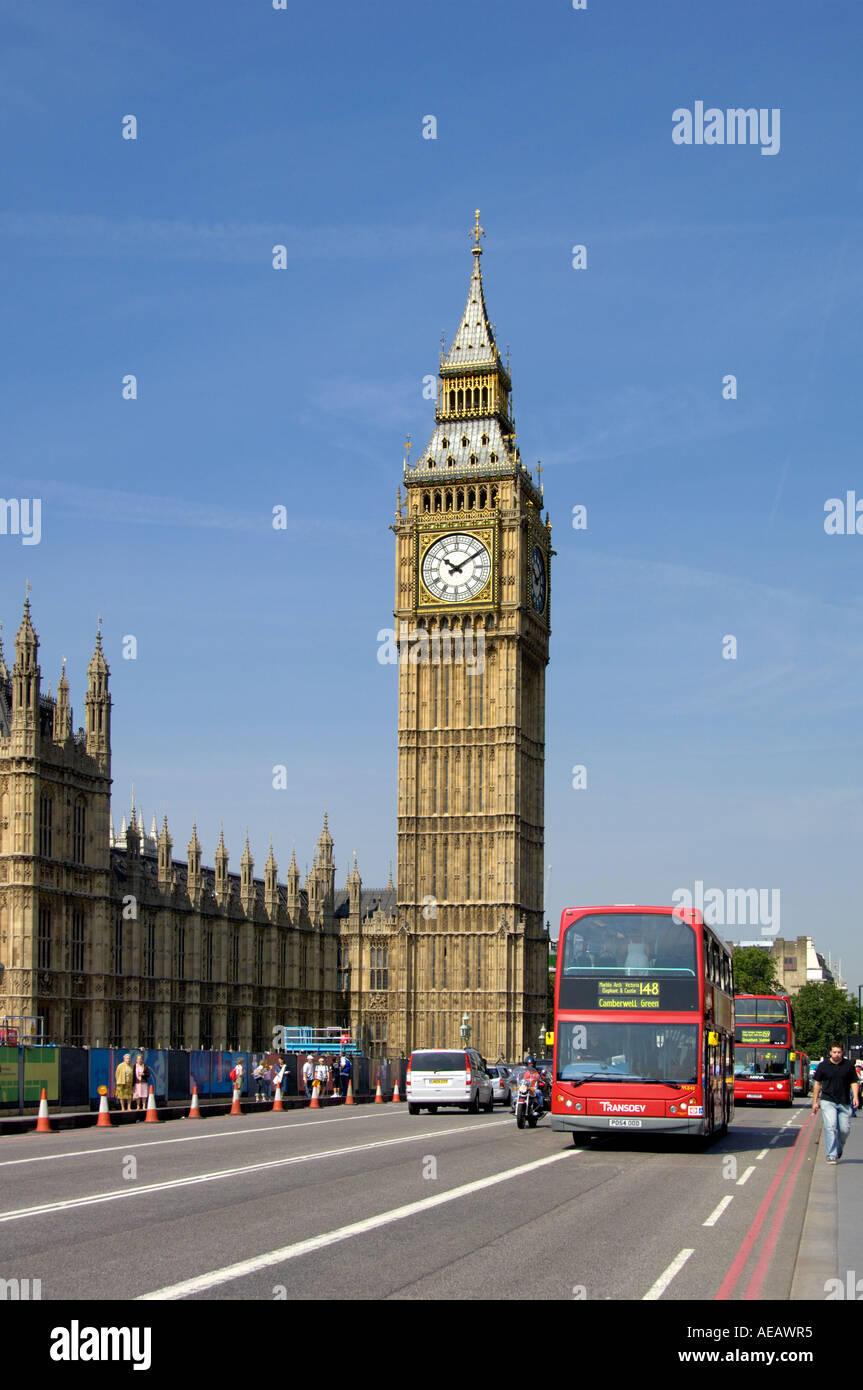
x: 440, y: 1076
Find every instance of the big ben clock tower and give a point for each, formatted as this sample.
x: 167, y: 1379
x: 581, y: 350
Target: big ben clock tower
x: 473, y: 622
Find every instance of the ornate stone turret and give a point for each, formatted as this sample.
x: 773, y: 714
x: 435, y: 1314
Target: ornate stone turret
x: 194, y: 877
x: 271, y: 885
x: 133, y: 839
x: 355, y: 888
x: 221, y: 868
x: 293, y: 899
x: 98, y: 707
x: 62, y: 714
x: 26, y: 679
x: 166, y: 844
x: 247, y: 884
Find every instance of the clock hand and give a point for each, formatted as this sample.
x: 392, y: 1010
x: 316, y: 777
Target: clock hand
x: 457, y: 569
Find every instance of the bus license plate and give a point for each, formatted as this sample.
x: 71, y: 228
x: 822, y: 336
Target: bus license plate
x: 624, y: 1124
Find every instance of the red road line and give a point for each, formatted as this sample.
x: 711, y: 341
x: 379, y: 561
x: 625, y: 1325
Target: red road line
x: 755, y: 1283
x: 729, y: 1283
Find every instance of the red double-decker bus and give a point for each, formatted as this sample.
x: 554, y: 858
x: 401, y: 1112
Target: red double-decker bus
x: 801, y: 1075
x: 643, y: 1023
x: 764, y: 1056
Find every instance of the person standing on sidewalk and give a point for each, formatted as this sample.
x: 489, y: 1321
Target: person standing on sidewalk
x: 835, y: 1091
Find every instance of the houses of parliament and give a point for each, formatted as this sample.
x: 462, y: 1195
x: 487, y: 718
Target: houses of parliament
x: 111, y: 941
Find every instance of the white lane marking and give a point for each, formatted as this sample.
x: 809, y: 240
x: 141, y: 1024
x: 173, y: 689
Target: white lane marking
x: 777, y: 1136
x: 97, y: 1198
x: 747, y: 1175
x: 373, y: 1223
x: 190, y: 1138
x: 791, y: 1121
x: 761, y: 1155
x: 658, y: 1289
x: 715, y: 1215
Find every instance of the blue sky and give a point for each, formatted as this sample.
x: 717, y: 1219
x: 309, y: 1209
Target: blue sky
x: 257, y: 388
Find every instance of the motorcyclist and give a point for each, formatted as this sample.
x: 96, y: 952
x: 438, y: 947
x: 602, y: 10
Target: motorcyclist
x: 533, y: 1078
x: 545, y: 1087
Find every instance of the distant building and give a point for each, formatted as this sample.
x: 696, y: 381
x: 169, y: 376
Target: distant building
x: 797, y: 962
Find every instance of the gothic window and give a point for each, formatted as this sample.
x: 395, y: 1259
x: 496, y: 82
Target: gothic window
x: 206, y: 1038
x: 464, y: 441
x: 479, y: 780
x: 118, y: 946
x: 473, y: 458
x: 233, y: 1038
x: 377, y: 1035
x: 259, y: 958
x: 449, y: 499
x: 380, y: 974
x: 450, y: 461
x: 443, y: 966
x: 283, y: 962
x: 148, y: 1028
x: 494, y: 497
x: 485, y: 407
x: 76, y: 1026
x: 78, y: 832
x: 76, y: 941
x: 493, y: 457
x: 482, y: 497
x: 460, y: 500
x: 150, y: 952
x: 115, y: 1028
x: 467, y: 963
x: 478, y: 981
x: 444, y: 443
x: 445, y: 876
x: 471, y: 499
x: 207, y: 954
x: 426, y: 501
x: 485, y: 436
x: 460, y: 399
x: 180, y: 953
x: 451, y: 404
x: 304, y: 964
x: 178, y: 1028
x: 43, y: 939
x: 437, y: 501
x: 46, y: 810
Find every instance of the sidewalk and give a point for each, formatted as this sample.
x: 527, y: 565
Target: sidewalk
x: 831, y: 1247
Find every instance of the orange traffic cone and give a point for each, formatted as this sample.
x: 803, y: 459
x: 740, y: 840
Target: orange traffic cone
x: 396, y: 1095
x: 349, y: 1098
x: 277, y: 1103
x: 235, y: 1104
x: 152, y: 1115
x: 315, y: 1103
x: 104, y: 1117
x: 379, y: 1100
x: 195, y: 1109
x: 43, y: 1124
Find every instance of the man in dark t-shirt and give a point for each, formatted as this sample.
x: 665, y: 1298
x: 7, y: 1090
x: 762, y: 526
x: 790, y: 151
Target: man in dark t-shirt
x: 836, y: 1090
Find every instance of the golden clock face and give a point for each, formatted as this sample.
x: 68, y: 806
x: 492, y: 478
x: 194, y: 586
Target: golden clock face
x: 456, y: 568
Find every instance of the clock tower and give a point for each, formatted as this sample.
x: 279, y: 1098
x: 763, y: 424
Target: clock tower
x: 473, y: 623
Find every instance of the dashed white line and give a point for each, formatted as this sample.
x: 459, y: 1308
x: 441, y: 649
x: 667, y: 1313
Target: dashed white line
x: 715, y: 1215
x: 304, y: 1247
x: 96, y: 1199
x: 658, y: 1289
x: 761, y: 1155
x: 747, y: 1175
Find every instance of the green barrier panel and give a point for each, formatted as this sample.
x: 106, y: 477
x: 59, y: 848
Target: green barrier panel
x: 41, y: 1068
x: 8, y: 1076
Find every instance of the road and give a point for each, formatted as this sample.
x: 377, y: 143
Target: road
x: 372, y: 1203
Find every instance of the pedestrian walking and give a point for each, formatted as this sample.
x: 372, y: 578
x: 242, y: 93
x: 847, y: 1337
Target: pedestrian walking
x: 277, y: 1080
x: 836, y: 1094
x: 124, y: 1077
x: 345, y: 1073
x: 142, y: 1083
x: 236, y: 1075
x: 308, y: 1077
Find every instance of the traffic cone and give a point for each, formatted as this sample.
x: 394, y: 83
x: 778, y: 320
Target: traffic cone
x: 277, y: 1103
x: 314, y: 1103
x: 152, y: 1115
x: 195, y: 1109
x: 379, y: 1100
x: 104, y: 1117
x: 396, y: 1096
x: 43, y: 1124
x: 349, y: 1098
x: 235, y: 1104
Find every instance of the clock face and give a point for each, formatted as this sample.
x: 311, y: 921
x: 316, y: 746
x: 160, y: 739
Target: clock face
x: 456, y: 568
x: 538, y: 583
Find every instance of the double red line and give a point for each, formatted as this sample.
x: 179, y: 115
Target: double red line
x: 793, y: 1161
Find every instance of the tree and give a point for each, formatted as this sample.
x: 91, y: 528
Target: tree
x: 822, y: 1013
x: 755, y: 971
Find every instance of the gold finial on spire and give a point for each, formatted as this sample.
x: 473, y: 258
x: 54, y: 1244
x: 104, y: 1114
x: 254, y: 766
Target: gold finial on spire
x: 539, y: 471
x: 478, y: 231
x: 408, y: 447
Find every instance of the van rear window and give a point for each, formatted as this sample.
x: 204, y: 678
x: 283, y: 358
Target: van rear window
x: 437, y: 1061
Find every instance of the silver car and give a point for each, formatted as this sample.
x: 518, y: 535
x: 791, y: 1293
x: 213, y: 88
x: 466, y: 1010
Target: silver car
x: 501, y: 1083
x: 440, y: 1076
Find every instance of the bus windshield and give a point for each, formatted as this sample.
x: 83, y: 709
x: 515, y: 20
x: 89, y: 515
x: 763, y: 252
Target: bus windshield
x: 757, y: 1062
x: 760, y: 1010
x: 627, y: 1052
x: 629, y: 943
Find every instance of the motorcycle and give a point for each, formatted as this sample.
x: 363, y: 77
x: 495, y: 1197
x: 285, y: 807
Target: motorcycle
x: 529, y: 1105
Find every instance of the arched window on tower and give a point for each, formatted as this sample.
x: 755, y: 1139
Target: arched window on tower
x: 460, y: 399
x: 437, y: 502
x: 494, y: 497
x: 485, y: 403
x: 449, y: 499
x: 482, y: 497
x: 471, y: 499
x: 452, y: 402
x: 426, y: 501
x: 459, y: 503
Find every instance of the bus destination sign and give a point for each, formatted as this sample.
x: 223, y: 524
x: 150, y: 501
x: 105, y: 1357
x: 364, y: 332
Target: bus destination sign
x: 760, y: 1037
x: 618, y: 993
